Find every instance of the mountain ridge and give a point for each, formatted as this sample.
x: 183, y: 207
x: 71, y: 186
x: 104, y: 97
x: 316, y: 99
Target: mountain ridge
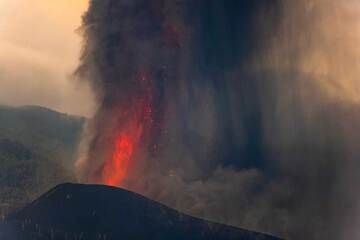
x: 38, y: 148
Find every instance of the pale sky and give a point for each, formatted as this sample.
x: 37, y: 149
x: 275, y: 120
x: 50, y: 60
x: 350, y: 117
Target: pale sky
x: 39, y: 51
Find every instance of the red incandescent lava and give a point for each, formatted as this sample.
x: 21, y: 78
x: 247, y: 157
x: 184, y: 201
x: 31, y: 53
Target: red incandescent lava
x: 133, y: 134
x: 130, y: 136
x: 115, y: 170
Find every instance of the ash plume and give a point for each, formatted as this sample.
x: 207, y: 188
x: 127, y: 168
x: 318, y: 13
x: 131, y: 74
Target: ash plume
x: 242, y: 112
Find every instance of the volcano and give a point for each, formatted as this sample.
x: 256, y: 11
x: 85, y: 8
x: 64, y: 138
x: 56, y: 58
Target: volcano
x: 87, y: 212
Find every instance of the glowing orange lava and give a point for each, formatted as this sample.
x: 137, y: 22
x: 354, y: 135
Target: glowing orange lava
x: 127, y: 141
x: 116, y: 169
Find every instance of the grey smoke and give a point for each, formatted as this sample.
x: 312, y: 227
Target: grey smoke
x: 256, y: 112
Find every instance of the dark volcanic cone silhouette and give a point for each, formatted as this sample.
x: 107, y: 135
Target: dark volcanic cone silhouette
x: 72, y: 211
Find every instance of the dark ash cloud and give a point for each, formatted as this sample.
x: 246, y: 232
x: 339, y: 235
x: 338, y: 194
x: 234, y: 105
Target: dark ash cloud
x: 245, y: 109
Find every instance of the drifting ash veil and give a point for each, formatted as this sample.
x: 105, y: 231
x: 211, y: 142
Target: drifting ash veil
x: 243, y: 112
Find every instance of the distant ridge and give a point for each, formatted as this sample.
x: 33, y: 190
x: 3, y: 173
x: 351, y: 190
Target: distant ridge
x: 38, y: 148
x: 39, y: 109
x: 82, y: 212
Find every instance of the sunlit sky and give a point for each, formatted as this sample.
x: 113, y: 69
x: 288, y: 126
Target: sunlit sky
x: 39, y: 50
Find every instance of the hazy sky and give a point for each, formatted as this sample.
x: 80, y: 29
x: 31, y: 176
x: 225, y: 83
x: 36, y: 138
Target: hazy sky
x: 39, y: 51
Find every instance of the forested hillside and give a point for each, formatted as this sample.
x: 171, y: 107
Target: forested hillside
x: 37, y: 151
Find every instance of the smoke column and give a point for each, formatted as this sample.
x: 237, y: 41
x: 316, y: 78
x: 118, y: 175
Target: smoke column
x: 242, y: 112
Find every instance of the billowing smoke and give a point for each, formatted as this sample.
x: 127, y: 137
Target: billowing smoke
x: 244, y: 112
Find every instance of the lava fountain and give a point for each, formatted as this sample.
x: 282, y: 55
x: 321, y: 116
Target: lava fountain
x: 128, y: 138
x: 128, y: 56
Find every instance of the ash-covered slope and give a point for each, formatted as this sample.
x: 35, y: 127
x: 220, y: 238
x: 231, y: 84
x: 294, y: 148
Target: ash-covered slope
x: 74, y: 211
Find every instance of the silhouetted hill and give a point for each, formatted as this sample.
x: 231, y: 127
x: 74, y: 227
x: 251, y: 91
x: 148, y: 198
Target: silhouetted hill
x: 74, y: 211
x: 37, y: 150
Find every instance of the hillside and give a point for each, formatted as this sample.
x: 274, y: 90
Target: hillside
x: 37, y: 149
x: 74, y: 211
